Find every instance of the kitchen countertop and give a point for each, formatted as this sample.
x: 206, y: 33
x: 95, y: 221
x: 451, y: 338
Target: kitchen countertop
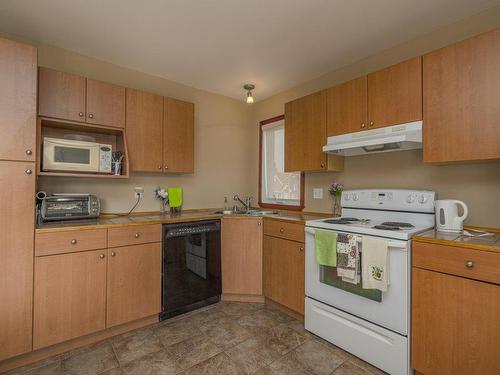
x: 111, y: 221
x: 487, y: 243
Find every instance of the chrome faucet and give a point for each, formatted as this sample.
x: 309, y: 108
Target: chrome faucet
x: 246, y: 203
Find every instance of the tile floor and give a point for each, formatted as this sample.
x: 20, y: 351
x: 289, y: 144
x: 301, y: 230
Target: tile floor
x: 226, y: 338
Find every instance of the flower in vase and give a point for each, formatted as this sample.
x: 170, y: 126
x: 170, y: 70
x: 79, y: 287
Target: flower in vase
x: 336, y: 189
x: 161, y: 193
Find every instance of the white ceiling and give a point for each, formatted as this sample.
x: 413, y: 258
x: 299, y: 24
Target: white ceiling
x: 218, y: 45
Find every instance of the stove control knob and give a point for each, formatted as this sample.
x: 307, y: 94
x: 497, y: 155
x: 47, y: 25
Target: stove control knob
x: 422, y: 199
x: 348, y: 197
x: 355, y: 197
x: 410, y: 198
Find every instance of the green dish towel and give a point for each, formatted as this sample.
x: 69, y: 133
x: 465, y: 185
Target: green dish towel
x: 174, y: 196
x: 326, y: 247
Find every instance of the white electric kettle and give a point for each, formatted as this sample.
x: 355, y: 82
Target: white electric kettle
x: 447, y: 219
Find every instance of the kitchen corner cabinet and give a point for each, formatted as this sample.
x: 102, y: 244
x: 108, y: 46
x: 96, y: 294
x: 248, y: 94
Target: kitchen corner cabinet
x: 241, y: 256
x: 305, y: 136
x: 455, y: 310
x: 144, y: 129
x: 133, y: 283
x: 461, y: 100
x: 71, y: 97
x: 178, y: 136
x: 283, y: 263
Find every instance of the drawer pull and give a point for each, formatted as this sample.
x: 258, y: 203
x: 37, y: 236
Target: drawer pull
x: 282, y: 230
x: 73, y: 242
x: 301, y: 248
x: 469, y: 264
x: 137, y: 235
x: 102, y: 256
x: 113, y: 254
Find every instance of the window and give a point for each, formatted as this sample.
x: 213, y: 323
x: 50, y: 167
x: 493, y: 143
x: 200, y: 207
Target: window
x: 277, y: 188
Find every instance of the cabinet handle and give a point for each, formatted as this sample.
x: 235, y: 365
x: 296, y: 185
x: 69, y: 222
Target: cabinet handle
x: 371, y: 123
x: 29, y: 171
x: 91, y: 115
x: 136, y: 235
x: 102, y: 256
x: 363, y: 125
x: 282, y: 230
x: 166, y: 167
x: 469, y: 264
x: 159, y: 166
x: 113, y: 254
x: 73, y: 241
x: 322, y: 165
x: 29, y: 152
x: 80, y: 114
x: 259, y: 223
x: 301, y: 248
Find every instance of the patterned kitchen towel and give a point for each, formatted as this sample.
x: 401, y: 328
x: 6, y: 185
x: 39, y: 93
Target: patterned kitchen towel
x: 347, y: 257
x: 375, y: 263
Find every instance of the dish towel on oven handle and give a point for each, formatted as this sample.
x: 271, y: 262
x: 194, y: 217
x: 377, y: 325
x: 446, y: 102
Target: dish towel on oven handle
x: 375, y: 263
x: 348, y: 257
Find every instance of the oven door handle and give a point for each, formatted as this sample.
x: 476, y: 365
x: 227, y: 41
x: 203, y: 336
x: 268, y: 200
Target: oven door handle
x: 391, y: 244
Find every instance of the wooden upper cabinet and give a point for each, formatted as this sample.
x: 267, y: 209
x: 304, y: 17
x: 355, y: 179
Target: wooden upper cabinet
x: 61, y: 95
x: 133, y: 283
x: 17, y: 222
x: 395, y: 94
x: 178, y: 136
x: 241, y: 255
x: 347, y: 107
x: 70, y: 296
x: 144, y: 129
x: 105, y: 104
x: 305, y: 133
x: 461, y: 100
x: 18, y: 70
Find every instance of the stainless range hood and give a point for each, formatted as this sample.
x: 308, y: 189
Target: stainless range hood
x: 391, y: 138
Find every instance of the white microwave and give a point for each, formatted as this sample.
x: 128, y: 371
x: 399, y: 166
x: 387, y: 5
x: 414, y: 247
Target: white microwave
x: 76, y: 156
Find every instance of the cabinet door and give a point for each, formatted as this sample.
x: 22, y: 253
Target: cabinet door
x: 267, y: 273
x: 61, y: 95
x: 455, y: 325
x: 105, y: 104
x: 284, y: 272
x: 461, y: 100
x: 18, y: 104
x: 305, y: 133
x: 144, y: 128
x: 395, y: 94
x: 16, y: 256
x: 347, y: 107
x: 134, y: 283
x: 70, y: 296
x: 178, y: 136
x: 241, y: 255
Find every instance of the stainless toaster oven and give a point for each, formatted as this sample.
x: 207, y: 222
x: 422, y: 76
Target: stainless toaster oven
x: 69, y: 206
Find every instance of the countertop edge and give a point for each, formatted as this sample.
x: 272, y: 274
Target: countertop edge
x: 465, y: 245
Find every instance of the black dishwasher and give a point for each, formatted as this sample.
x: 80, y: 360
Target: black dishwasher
x: 191, y: 266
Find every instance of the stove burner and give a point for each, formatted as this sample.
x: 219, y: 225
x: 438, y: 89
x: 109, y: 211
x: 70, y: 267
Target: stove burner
x: 349, y: 219
x: 337, y: 221
x: 386, y: 227
x: 397, y: 224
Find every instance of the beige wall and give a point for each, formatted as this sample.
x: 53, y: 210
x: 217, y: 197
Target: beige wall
x: 222, y: 149
x: 476, y: 184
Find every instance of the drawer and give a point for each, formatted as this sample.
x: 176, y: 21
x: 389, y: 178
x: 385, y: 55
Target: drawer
x: 134, y: 235
x: 459, y: 261
x: 282, y: 229
x: 49, y: 243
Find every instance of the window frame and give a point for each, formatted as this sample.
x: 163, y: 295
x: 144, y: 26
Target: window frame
x: 289, y: 207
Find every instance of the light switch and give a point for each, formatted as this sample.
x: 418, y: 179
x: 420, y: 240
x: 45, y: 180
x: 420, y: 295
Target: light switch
x: 318, y: 193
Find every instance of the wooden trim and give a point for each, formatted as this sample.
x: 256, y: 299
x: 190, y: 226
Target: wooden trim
x: 50, y: 351
x: 242, y: 298
x: 302, y: 175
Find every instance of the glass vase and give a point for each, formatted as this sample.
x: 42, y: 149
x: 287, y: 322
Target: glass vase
x: 336, y: 209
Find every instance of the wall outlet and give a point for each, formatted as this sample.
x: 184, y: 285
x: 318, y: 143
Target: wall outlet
x: 318, y: 193
x: 138, y: 191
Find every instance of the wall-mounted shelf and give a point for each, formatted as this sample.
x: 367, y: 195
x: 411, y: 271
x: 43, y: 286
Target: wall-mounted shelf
x: 56, y: 128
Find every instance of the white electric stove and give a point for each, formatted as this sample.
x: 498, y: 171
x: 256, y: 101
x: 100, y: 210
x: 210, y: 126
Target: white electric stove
x: 370, y: 324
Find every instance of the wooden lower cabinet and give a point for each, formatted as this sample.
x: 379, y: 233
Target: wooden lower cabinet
x: 455, y: 325
x: 133, y: 283
x: 70, y: 296
x: 241, y: 255
x: 17, y: 220
x: 283, y: 272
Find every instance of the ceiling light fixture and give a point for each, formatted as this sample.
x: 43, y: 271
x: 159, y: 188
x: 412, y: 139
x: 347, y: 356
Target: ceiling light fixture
x: 249, y: 87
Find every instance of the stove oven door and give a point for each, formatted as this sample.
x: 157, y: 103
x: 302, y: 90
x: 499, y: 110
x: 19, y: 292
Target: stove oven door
x: 389, y: 309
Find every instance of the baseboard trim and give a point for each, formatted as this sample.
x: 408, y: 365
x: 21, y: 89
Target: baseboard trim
x: 242, y: 297
x: 37, y: 355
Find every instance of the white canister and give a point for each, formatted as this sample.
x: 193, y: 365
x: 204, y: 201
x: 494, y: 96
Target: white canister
x: 447, y: 218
